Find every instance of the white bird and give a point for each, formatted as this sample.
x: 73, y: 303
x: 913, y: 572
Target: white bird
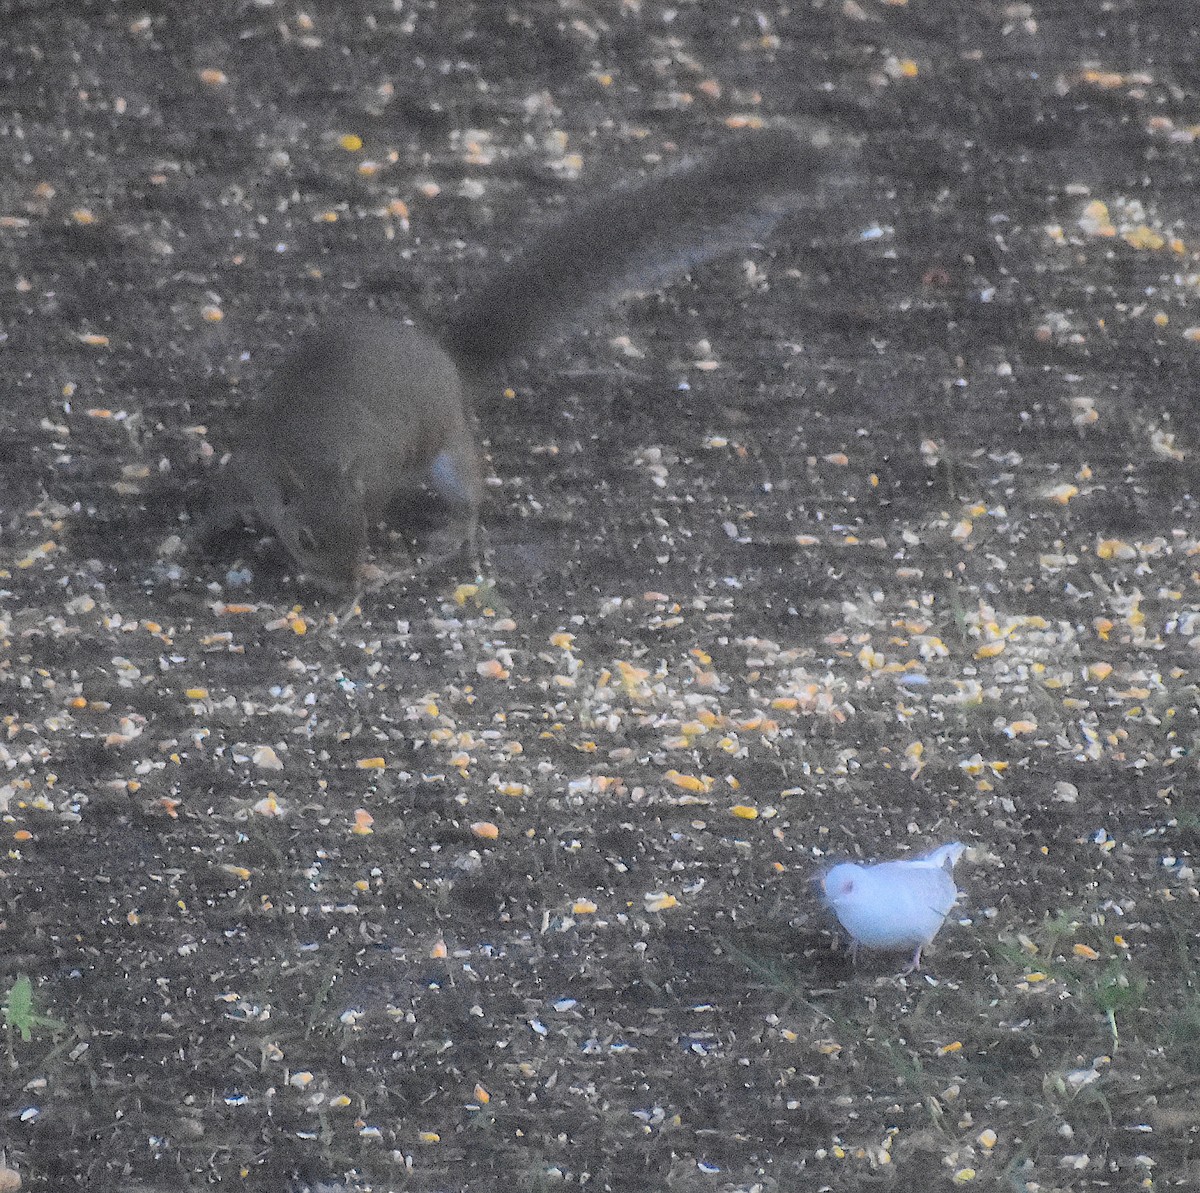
x: 895, y: 905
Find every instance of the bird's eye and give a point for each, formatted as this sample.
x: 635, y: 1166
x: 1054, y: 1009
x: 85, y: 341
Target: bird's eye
x: 848, y: 886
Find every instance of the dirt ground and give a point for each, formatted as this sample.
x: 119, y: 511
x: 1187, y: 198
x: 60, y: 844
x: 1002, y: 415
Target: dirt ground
x: 879, y: 535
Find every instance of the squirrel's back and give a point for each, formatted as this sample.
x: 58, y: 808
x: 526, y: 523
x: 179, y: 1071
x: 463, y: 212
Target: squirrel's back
x: 638, y: 237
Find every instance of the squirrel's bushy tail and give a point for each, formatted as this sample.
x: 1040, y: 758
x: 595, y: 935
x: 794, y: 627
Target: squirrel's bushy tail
x: 641, y: 236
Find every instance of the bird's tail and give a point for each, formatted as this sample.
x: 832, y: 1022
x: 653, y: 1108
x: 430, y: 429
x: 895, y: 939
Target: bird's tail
x: 944, y: 856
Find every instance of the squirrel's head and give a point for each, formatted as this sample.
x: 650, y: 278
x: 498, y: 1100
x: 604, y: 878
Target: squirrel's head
x: 316, y: 510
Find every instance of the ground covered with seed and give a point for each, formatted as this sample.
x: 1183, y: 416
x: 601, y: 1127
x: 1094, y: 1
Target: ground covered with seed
x: 879, y: 535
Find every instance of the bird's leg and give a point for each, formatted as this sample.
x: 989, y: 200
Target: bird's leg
x: 914, y: 964
x: 853, y: 952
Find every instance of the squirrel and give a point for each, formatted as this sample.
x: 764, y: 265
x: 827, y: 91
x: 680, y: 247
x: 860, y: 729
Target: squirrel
x: 368, y: 408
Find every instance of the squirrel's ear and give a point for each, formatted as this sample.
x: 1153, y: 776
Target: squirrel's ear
x: 350, y: 473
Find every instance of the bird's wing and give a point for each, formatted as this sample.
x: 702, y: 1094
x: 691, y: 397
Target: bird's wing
x: 935, y: 888
x: 929, y: 887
